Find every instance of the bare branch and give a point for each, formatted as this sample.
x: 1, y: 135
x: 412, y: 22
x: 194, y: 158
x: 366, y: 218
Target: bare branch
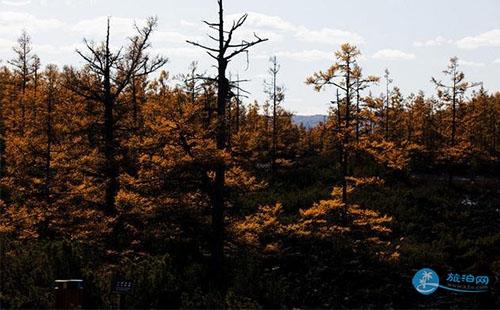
x: 202, y: 46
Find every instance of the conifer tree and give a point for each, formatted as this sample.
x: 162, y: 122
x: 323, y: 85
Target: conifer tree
x: 342, y: 74
x: 276, y: 95
x: 25, y: 65
x: 112, y: 72
x: 451, y: 93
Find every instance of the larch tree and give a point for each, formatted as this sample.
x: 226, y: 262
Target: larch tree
x: 112, y: 72
x: 35, y: 68
x: 224, y: 51
x: 51, y: 95
x: 276, y: 94
x: 451, y: 93
x: 361, y: 83
x: 388, y: 81
x: 5, y: 75
x: 396, y: 112
x: 238, y: 103
x: 236, y: 92
x: 342, y: 75
x: 25, y: 64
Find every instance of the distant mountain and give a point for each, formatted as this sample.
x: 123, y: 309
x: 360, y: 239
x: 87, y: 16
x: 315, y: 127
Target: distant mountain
x: 309, y: 121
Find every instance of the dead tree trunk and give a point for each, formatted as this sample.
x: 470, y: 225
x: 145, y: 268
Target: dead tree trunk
x: 223, y: 53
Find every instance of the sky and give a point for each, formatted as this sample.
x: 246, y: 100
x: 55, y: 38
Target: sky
x: 413, y: 39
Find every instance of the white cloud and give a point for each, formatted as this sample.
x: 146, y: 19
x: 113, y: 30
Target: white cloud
x: 259, y: 20
x: 121, y: 27
x: 14, y: 22
x: 471, y: 63
x: 496, y: 61
x: 274, y: 27
x: 6, y: 45
x: 179, y: 52
x: 393, y: 54
x: 306, y: 55
x: 328, y: 36
x: 16, y: 3
x: 49, y: 49
x: 439, y: 40
x: 172, y: 37
x: 186, y: 23
x: 248, y: 34
x: 97, y: 26
x: 486, y: 39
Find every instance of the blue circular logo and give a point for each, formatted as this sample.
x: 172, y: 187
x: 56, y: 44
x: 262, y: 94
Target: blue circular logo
x: 426, y: 281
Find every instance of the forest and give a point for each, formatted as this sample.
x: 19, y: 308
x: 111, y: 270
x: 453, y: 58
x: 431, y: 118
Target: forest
x: 203, y: 198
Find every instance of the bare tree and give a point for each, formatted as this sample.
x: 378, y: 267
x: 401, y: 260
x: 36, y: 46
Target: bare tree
x: 277, y: 94
x: 114, y: 71
x: 223, y: 53
x: 238, y: 103
x: 234, y: 99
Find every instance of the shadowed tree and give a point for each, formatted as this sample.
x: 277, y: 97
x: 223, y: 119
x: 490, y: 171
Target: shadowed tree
x: 341, y: 74
x: 234, y: 99
x: 112, y: 72
x: 451, y: 93
x: 238, y: 103
x: 276, y: 94
x: 4, y: 76
x: 361, y: 83
x: 388, y: 81
x: 51, y: 89
x: 222, y: 53
x: 25, y: 65
x: 35, y: 67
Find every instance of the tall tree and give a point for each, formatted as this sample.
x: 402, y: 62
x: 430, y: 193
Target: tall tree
x: 388, y: 81
x: 238, y: 103
x: 51, y: 88
x: 361, y: 83
x: 5, y: 75
x: 223, y: 53
x: 25, y: 64
x: 451, y: 93
x: 341, y: 74
x: 276, y: 94
x: 112, y: 72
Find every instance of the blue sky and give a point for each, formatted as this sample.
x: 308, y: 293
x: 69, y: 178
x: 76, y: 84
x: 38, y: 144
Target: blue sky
x: 414, y: 39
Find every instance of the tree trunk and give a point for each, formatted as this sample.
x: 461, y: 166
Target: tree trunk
x: 48, y: 150
x: 2, y: 150
x: 273, y: 150
x: 218, y: 273
x: 345, y: 161
x: 111, y: 170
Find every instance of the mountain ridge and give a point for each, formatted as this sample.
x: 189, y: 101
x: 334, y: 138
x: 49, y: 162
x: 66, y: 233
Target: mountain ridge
x: 309, y: 121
